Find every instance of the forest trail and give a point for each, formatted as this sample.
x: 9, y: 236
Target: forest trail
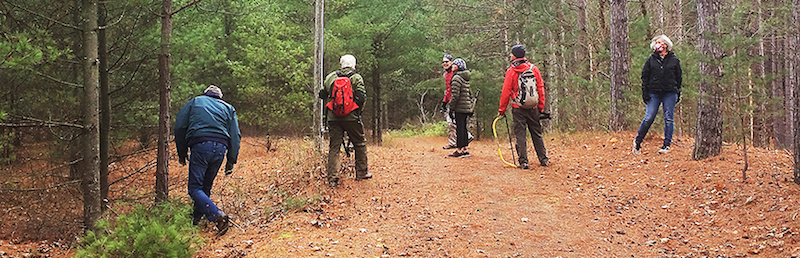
x: 594, y: 200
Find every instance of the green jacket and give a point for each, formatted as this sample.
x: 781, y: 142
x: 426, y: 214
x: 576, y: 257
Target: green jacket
x: 359, y: 93
x: 461, y: 99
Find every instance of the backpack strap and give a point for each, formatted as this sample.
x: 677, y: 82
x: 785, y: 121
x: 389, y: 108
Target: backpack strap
x: 348, y: 75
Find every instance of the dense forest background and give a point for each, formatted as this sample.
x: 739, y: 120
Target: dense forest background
x: 260, y: 52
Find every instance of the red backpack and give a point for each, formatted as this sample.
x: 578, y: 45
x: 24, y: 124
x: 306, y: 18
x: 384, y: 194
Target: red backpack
x: 342, y: 101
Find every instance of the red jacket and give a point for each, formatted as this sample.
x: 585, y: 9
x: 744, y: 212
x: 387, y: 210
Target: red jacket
x: 448, y: 76
x: 510, y: 85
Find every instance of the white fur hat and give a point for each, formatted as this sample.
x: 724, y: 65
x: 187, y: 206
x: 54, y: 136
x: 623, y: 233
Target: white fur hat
x: 214, y: 89
x: 348, y: 61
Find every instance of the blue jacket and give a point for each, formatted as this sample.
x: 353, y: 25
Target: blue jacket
x: 207, y: 118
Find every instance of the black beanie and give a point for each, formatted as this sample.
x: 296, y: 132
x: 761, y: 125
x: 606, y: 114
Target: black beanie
x: 518, y: 51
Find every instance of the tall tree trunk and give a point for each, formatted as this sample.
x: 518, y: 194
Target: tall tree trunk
x: 760, y: 133
x: 91, y: 147
x: 602, y: 15
x: 789, y: 85
x: 794, y: 48
x: 319, y: 13
x: 619, y: 62
x: 229, y: 26
x: 162, y: 160
x: 779, y: 92
x: 708, y: 141
x: 105, y: 106
x: 377, y: 130
x: 678, y: 13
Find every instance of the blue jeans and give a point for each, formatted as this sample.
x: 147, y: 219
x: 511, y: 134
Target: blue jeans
x: 204, y: 163
x: 657, y: 99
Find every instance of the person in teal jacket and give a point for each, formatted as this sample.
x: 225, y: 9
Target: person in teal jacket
x: 208, y: 125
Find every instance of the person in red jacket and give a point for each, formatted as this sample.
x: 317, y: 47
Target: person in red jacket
x: 524, y: 118
x: 449, y: 70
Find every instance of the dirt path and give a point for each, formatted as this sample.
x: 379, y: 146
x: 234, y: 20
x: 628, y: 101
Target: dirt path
x: 595, y: 200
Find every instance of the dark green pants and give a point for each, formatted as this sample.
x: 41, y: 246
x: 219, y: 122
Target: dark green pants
x: 355, y: 131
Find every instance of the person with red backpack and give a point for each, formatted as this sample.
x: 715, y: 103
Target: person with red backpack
x: 344, y: 95
x: 524, y: 88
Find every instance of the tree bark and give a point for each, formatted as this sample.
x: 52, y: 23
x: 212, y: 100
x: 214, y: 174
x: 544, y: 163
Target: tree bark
x: 619, y: 62
x: 794, y: 47
x: 319, y: 33
x: 162, y: 160
x: 708, y: 141
x: 105, y: 106
x: 91, y: 147
x: 377, y: 131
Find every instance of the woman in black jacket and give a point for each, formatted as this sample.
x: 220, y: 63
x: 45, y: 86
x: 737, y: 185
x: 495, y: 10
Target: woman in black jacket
x: 661, y: 85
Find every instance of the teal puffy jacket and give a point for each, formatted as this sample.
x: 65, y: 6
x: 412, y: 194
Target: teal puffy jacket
x: 206, y: 116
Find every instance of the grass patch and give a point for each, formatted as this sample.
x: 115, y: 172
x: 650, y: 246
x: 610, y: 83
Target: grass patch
x: 162, y: 231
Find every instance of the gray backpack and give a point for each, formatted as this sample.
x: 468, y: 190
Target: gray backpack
x: 527, y: 95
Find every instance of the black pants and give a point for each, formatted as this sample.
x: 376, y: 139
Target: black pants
x: 528, y: 119
x: 462, y: 135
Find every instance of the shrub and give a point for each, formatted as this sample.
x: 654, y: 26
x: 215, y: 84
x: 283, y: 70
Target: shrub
x: 164, y: 231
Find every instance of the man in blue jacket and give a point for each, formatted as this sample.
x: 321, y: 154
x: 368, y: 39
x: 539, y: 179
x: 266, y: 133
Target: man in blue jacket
x: 208, y: 125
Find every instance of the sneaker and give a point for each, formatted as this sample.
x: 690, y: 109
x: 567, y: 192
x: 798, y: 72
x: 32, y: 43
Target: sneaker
x: 458, y: 154
x: 223, y: 223
x: 447, y: 147
x: 365, y: 177
x: 664, y: 149
x: 545, y: 162
x: 523, y: 166
x: 637, y: 147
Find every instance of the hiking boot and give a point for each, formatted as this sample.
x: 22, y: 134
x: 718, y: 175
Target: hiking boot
x: 545, y: 162
x: 333, y: 182
x: 364, y: 177
x: 637, y: 147
x: 447, y: 147
x: 664, y: 149
x: 458, y: 154
x: 223, y: 223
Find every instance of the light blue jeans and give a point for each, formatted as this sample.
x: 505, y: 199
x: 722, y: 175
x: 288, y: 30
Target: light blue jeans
x: 658, y: 99
x: 204, y: 163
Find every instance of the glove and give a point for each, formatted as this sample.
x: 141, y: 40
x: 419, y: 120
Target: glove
x: 645, y: 97
x: 452, y: 114
x: 678, y: 100
x: 501, y: 113
x: 228, y: 169
x: 443, y: 108
x: 182, y: 161
x: 544, y: 115
x: 322, y: 94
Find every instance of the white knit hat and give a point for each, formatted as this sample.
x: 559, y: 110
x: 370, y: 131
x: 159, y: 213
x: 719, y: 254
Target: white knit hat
x: 214, y: 89
x: 348, y: 61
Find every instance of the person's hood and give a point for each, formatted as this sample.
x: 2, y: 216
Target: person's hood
x: 466, y: 74
x: 520, y: 64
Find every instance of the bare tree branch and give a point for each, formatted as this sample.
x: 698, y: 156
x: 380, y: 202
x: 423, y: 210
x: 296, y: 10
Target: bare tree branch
x: 42, y: 189
x: 185, y: 6
x: 40, y: 122
x: 45, y: 17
